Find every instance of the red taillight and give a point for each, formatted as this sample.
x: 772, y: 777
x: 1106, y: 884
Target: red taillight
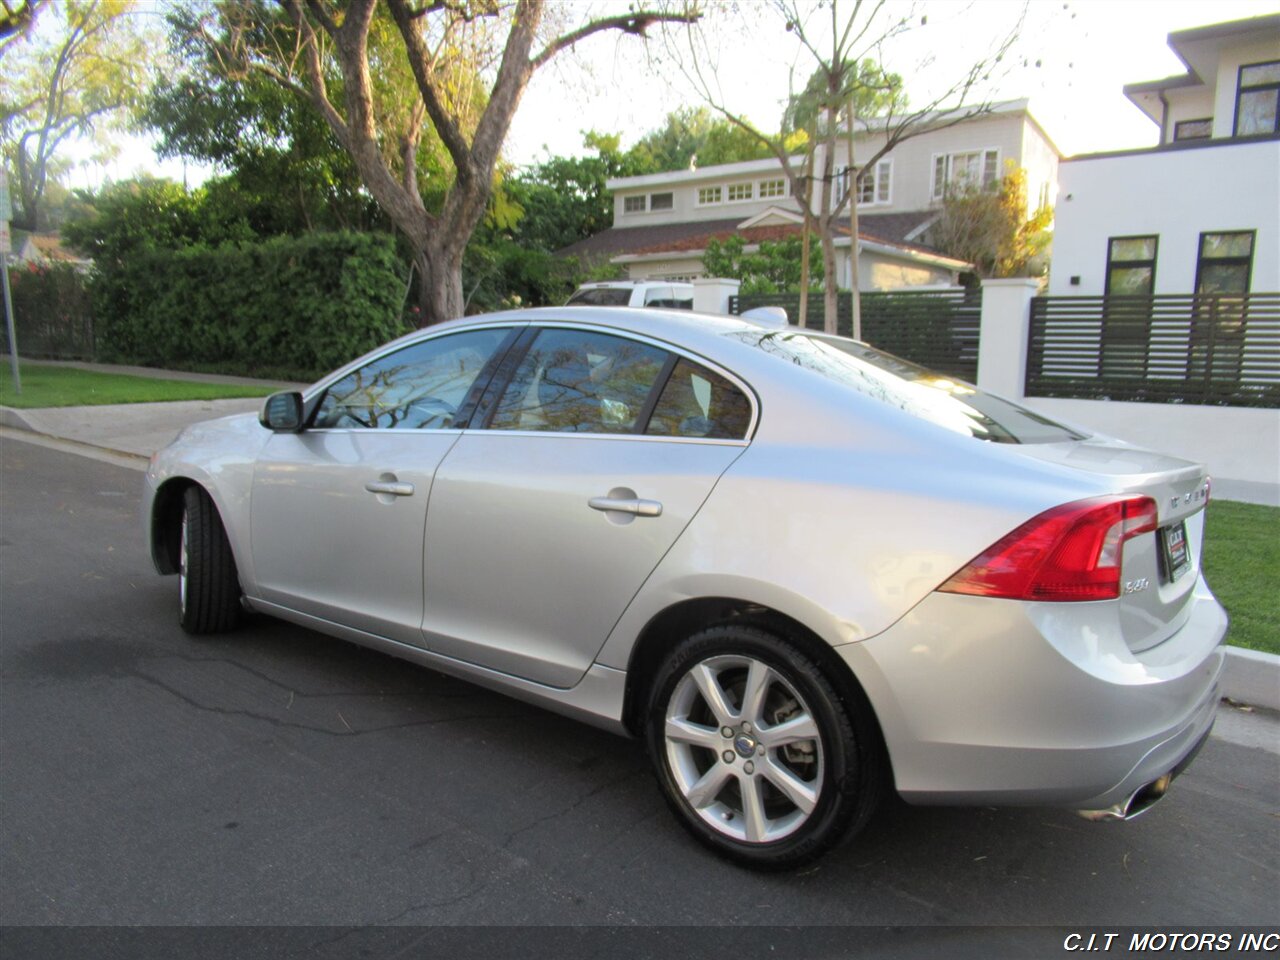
x: 1071, y: 552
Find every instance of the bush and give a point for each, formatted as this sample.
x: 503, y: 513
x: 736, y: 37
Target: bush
x: 287, y: 306
x: 52, y: 312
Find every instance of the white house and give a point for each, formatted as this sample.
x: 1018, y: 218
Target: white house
x: 1200, y: 213
x: 662, y: 221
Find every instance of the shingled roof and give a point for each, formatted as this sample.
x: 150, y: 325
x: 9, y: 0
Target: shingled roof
x: 886, y: 228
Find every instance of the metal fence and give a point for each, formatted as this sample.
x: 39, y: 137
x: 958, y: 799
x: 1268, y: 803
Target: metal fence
x: 937, y: 329
x: 1219, y: 349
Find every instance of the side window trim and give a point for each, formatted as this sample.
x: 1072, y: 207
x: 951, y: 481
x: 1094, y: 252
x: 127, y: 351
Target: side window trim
x: 486, y: 376
x: 655, y: 394
x: 487, y: 405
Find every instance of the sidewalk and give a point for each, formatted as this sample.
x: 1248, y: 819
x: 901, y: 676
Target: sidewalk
x: 134, y: 429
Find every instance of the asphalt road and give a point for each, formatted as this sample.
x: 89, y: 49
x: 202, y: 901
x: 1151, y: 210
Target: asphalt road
x: 277, y: 776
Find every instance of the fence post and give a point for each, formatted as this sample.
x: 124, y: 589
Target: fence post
x: 711, y: 294
x: 1004, y: 335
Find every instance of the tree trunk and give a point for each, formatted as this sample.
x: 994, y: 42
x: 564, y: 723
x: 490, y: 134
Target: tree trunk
x: 855, y: 294
x: 806, y: 241
x: 826, y: 228
x: 439, y: 284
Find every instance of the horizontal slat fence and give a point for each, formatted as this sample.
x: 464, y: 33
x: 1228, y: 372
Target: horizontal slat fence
x: 1203, y: 349
x: 937, y: 329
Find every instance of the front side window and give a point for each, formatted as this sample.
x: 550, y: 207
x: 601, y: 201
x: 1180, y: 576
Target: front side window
x: 708, y: 195
x: 578, y: 381
x: 601, y: 297
x: 419, y: 387
x: 740, y: 191
x: 1225, y: 262
x: 697, y: 402
x: 633, y: 204
x: 661, y: 201
x: 773, y: 188
x: 1131, y: 266
x: 1258, y: 99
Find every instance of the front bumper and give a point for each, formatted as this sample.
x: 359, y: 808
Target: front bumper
x: 1012, y: 703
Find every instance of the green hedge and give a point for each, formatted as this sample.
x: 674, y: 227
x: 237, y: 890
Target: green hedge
x: 286, y: 306
x: 52, y: 311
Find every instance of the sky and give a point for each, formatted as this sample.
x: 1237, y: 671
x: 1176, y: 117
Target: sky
x: 1071, y: 60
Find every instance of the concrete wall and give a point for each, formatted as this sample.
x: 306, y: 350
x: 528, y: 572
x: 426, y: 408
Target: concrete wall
x: 1176, y: 194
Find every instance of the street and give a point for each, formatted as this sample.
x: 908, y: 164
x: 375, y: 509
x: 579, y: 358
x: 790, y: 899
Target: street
x: 277, y: 776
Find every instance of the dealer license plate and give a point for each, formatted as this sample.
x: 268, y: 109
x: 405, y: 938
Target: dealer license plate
x: 1177, y: 559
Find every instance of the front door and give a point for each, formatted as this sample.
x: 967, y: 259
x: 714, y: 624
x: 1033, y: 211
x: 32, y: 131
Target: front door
x: 339, y: 510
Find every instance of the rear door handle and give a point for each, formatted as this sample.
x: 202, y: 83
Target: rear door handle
x: 640, y: 508
x: 392, y: 487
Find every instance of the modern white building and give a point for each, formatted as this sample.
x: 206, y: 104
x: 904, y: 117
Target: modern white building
x: 662, y: 222
x: 1200, y: 212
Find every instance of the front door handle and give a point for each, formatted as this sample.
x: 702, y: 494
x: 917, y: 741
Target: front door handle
x: 391, y: 487
x: 637, y: 507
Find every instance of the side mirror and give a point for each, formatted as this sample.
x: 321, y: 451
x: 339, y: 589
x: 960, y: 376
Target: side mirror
x: 282, y: 412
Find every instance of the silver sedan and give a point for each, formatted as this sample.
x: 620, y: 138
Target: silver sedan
x: 804, y: 572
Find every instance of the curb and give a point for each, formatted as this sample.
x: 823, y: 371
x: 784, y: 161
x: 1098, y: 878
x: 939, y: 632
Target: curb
x: 1252, y: 677
x: 11, y: 418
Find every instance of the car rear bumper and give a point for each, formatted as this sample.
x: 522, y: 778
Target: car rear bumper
x: 1013, y: 703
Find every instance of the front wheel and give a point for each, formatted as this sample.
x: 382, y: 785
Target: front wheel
x: 208, y: 585
x: 755, y: 751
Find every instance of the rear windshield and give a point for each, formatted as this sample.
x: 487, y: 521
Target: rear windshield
x: 931, y: 396
x: 601, y: 297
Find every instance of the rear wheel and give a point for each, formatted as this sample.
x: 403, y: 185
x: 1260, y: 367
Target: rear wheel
x: 755, y: 751
x: 208, y: 585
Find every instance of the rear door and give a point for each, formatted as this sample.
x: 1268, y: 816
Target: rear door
x: 547, y: 518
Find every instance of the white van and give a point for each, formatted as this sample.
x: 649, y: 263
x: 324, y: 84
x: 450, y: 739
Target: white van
x: 666, y: 294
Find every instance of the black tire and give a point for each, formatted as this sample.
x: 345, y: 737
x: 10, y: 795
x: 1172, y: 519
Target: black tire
x: 839, y: 769
x: 209, y: 587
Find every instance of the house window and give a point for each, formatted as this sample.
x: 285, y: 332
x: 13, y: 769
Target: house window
x: 1225, y: 262
x: 1258, y: 99
x: 741, y: 191
x: 773, y: 188
x: 661, y: 201
x: 971, y: 168
x: 709, y: 195
x: 1201, y: 129
x: 873, y: 185
x: 1131, y: 266
x: 633, y: 204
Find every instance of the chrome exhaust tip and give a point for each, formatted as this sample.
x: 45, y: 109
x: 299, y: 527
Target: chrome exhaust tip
x: 1139, y: 802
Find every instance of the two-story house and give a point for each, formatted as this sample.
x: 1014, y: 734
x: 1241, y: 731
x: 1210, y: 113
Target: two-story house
x: 1200, y: 212
x: 662, y: 222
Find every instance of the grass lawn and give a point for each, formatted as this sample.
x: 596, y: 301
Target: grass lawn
x: 1241, y: 561
x: 68, y: 387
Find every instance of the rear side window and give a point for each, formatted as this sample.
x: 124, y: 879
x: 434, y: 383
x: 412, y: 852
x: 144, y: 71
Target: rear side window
x: 697, y: 402
x: 419, y: 387
x: 601, y: 297
x: 935, y: 397
x: 577, y: 381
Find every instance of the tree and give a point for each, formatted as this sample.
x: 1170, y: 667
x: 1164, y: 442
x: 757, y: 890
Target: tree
x: 62, y: 84
x: 775, y: 267
x: 845, y: 43
x: 339, y: 56
x: 989, y: 227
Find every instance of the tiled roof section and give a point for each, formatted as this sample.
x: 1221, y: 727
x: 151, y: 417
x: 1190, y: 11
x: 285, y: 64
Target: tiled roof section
x: 682, y: 237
